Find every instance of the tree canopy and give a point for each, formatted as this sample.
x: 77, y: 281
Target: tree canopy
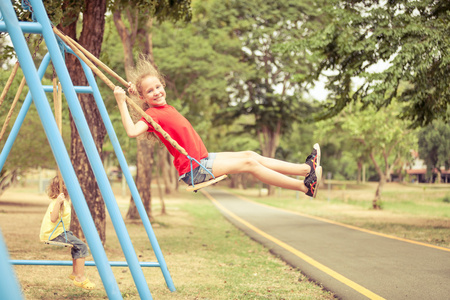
x: 384, y: 45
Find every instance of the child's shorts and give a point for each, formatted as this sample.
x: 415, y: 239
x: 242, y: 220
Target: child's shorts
x: 200, y: 174
x: 79, y: 249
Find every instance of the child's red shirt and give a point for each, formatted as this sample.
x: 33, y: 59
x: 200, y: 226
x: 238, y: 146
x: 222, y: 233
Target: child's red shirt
x: 179, y: 129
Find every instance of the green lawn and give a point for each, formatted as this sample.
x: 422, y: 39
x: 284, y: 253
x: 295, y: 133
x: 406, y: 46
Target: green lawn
x: 208, y: 258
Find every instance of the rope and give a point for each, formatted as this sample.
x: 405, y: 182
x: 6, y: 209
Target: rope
x: 83, y: 54
x: 19, y: 91
x: 9, y: 82
x: 11, y: 77
x: 111, y: 85
x: 57, y: 101
x: 16, y: 99
x: 95, y: 60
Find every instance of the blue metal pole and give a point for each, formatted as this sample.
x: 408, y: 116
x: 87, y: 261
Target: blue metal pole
x: 27, y: 27
x: 89, y: 263
x: 78, y: 89
x: 56, y: 142
x: 124, y: 166
x: 91, y: 151
x: 21, y: 116
x: 9, y: 286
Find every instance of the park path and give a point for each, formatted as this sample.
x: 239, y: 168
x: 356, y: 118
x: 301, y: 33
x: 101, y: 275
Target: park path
x: 351, y: 263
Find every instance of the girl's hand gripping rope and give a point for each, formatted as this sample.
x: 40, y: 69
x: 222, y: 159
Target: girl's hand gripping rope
x: 132, y: 88
x: 119, y: 94
x: 60, y: 199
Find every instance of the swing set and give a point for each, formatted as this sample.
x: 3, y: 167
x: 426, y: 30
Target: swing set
x: 58, y: 44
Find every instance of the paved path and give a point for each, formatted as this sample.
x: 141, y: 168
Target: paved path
x: 352, y: 263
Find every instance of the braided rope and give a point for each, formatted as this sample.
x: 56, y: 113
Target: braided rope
x: 111, y: 85
x: 19, y: 91
x: 13, y: 105
x: 11, y: 77
x: 9, y: 82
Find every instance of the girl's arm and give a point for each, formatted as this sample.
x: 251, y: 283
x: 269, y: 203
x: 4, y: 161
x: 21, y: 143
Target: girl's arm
x: 57, y: 208
x: 132, y: 129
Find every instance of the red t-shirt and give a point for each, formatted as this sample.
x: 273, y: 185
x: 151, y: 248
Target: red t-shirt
x: 179, y: 129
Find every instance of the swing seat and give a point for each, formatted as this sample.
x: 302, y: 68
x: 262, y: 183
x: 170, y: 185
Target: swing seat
x: 196, y: 187
x: 61, y: 244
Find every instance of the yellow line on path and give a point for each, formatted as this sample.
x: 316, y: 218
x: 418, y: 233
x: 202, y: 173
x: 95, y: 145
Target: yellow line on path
x: 298, y: 253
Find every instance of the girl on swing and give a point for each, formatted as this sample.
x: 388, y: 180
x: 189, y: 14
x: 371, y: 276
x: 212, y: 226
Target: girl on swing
x: 149, y: 87
x: 59, y: 209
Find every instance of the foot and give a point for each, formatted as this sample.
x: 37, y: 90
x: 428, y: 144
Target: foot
x: 313, y: 160
x: 71, y: 277
x: 87, y: 284
x: 312, y: 181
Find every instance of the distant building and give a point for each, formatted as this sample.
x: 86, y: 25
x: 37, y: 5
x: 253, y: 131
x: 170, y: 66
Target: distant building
x: 417, y: 171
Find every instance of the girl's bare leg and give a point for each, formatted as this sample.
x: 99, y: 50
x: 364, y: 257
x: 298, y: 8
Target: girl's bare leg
x: 268, y: 170
x: 78, y: 269
x: 276, y: 165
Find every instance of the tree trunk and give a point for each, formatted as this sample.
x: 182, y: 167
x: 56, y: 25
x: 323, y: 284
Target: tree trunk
x: 164, y: 163
x: 358, y: 176
x: 269, y: 141
x: 161, y: 195
x: 143, y: 180
x: 7, y: 179
x: 237, y: 181
x: 376, y: 203
x: 144, y: 156
x: 91, y: 38
x: 364, y: 173
x: 128, y: 38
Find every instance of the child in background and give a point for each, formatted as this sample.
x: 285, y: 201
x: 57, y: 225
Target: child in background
x: 149, y: 87
x: 57, y: 209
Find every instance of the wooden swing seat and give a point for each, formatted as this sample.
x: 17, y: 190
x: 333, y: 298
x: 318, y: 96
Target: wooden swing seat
x: 52, y: 243
x: 196, y: 187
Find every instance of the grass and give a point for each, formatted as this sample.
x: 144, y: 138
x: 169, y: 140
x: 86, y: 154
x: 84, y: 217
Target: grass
x: 416, y: 212
x: 208, y: 258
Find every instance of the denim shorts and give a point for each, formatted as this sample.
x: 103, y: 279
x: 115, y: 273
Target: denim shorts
x: 200, y: 174
x: 79, y: 249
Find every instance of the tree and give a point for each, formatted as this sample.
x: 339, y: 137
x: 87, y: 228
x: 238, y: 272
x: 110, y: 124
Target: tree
x: 88, y: 32
x: 138, y: 25
x: 265, y: 89
x: 352, y: 39
x: 434, y: 146
x: 385, y: 139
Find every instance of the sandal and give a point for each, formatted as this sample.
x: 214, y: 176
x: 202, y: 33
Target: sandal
x: 71, y: 277
x: 87, y: 284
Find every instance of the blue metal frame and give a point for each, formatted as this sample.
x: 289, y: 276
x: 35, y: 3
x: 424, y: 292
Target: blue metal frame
x: 56, y: 142
x: 126, y: 171
x: 89, y: 263
x: 9, y: 286
x: 16, y: 30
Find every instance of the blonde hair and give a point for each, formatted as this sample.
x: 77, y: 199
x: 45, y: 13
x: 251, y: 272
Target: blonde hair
x: 145, y: 68
x: 53, y: 190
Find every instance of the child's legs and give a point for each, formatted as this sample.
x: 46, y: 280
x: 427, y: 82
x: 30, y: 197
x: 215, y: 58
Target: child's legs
x: 78, y: 269
x: 279, y: 166
x: 265, y: 169
x: 79, y: 252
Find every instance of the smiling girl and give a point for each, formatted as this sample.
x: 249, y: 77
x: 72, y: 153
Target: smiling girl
x: 149, y: 87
